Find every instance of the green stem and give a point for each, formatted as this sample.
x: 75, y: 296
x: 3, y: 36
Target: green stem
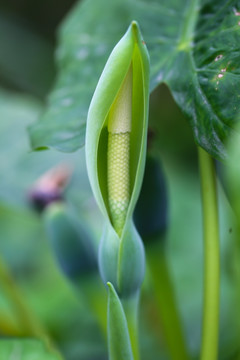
x: 210, y: 324
x: 29, y: 325
x: 165, y: 301
x: 130, y: 307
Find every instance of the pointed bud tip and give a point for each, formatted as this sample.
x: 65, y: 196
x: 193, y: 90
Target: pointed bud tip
x: 134, y: 24
x: 111, y: 288
x: 136, y: 32
x: 135, y: 28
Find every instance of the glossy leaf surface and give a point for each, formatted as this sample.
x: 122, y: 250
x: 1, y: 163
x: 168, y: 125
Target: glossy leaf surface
x: 194, y: 48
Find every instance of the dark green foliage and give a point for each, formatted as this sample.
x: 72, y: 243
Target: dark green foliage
x: 194, y: 49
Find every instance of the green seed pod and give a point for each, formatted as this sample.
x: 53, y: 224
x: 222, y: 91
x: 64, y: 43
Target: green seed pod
x: 115, y: 153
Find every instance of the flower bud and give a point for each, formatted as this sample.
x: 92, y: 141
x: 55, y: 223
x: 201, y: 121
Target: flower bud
x: 115, y: 154
x: 71, y: 243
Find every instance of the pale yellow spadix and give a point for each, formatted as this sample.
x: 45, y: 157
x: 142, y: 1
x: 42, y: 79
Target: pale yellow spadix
x: 120, y: 115
x: 119, y: 127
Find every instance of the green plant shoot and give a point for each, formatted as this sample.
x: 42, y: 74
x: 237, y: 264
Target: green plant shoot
x: 115, y: 153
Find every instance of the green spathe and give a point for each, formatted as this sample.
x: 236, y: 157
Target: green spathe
x: 121, y: 255
x: 119, y: 345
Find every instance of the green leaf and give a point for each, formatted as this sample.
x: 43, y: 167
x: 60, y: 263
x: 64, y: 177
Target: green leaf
x: 193, y: 46
x: 24, y: 350
x: 119, y: 345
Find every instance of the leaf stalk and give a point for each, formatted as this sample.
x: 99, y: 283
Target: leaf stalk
x: 210, y: 324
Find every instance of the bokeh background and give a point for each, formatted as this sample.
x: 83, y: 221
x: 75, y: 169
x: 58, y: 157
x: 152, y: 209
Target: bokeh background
x: 28, y: 38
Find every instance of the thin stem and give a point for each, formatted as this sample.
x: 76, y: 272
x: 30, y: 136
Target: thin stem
x: 29, y: 325
x: 210, y: 323
x: 130, y: 307
x: 165, y: 301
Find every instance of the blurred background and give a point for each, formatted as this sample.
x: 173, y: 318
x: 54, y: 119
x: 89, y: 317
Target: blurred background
x: 28, y: 38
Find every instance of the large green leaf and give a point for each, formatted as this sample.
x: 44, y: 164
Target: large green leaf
x: 194, y: 48
x: 24, y: 350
